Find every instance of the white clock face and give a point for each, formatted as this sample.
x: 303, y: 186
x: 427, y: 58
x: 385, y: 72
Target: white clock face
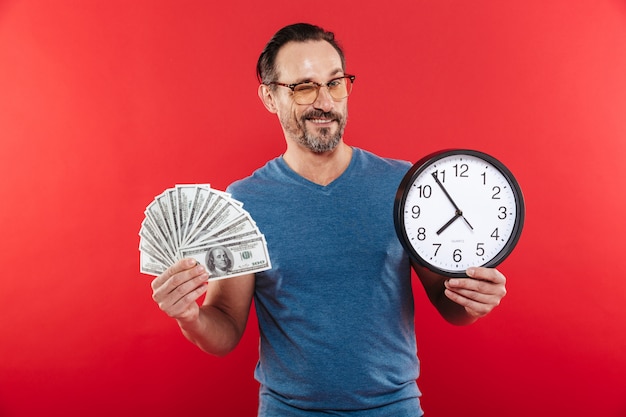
x: 461, y: 211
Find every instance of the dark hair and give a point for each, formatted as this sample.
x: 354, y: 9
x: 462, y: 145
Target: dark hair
x: 298, y: 32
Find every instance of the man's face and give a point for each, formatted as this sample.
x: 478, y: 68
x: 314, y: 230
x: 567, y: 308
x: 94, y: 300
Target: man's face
x: 318, y: 126
x: 220, y: 260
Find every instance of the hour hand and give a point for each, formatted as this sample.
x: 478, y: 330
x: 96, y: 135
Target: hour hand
x: 452, y: 220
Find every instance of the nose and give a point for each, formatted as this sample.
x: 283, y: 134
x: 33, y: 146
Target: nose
x: 324, y: 100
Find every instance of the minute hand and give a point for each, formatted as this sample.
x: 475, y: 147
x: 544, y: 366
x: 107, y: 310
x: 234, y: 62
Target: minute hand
x: 458, y: 210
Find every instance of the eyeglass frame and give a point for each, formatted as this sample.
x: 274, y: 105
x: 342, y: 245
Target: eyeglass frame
x: 293, y: 86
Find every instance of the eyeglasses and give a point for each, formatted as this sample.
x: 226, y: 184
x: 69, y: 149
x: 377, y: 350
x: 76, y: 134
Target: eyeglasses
x: 307, y: 92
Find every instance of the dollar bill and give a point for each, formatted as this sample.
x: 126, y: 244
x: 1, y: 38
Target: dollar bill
x: 150, y: 265
x: 186, y: 195
x: 232, y: 259
x: 154, y: 230
x: 195, y: 220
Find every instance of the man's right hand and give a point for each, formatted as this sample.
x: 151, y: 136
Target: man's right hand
x: 177, y: 290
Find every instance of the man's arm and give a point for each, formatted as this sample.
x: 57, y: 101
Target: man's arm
x: 218, y: 325
x: 462, y: 301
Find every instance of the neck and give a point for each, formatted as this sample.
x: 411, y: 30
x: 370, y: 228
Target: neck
x: 320, y: 168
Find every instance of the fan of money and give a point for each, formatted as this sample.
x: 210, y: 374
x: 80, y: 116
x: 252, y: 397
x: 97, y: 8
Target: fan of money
x: 197, y: 221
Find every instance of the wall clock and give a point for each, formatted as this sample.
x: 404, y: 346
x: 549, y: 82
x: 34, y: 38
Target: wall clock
x: 458, y: 208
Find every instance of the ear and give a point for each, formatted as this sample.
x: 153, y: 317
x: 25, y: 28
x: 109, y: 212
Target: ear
x: 266, y: 97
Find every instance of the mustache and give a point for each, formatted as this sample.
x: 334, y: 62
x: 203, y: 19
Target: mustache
x: 319, y: 114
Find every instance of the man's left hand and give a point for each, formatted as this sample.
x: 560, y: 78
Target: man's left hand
x: 478, y: 294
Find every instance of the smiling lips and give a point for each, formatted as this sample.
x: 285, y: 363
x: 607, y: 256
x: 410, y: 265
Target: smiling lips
x: 320, y: 121
x: 319, y: 118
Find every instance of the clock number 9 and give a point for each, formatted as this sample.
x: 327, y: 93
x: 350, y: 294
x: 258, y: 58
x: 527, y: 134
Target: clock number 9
x: 416, y: 211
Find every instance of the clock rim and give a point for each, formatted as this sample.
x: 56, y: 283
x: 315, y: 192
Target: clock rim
x: 421, y: 165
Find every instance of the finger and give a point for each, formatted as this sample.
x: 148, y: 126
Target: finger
x: 183, y: 289
x: 476, y: 285
x: 184, y: 283
x: 178, y: 285
x: 172, y: 270
x: 486, y: 274
x: 483, y: 298
x: 475, y: 308
x: 184, y: 305
x: 477, y: 296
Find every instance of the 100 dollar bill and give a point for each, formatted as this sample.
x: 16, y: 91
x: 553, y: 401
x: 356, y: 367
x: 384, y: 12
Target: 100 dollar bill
x: 231, y: 259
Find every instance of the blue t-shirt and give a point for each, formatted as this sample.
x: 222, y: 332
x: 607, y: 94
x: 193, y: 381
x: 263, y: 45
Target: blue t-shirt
x: 335, y: 312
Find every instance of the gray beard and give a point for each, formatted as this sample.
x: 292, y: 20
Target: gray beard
x: 321, y: 143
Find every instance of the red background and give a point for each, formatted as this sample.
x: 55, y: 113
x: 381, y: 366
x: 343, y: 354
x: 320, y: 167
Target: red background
x: 104, y: 104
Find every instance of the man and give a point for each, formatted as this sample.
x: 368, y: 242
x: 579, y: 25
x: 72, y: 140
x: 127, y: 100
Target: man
x: 337, y: 332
